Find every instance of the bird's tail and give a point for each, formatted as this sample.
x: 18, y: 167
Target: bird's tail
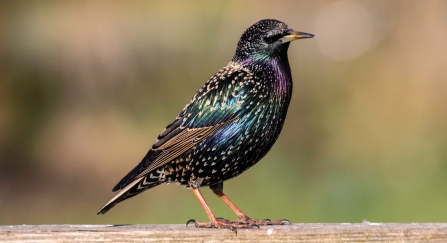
x: 134, y: 188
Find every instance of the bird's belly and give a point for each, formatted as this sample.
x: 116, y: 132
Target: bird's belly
x: 232, y: 150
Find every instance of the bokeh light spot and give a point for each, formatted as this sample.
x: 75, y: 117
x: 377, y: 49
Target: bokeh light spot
x: 345, y: 30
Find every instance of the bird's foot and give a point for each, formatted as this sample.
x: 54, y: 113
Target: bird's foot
x: 266, y: 221
x: 233, y: 225
x: 221, y: 223
x: 258, y: 222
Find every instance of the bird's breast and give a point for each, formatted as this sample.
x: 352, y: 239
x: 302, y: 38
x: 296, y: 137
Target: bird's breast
x: 259, y: 103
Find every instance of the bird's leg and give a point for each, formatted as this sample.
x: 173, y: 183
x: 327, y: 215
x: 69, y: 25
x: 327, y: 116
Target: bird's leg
x: 215, y: 222
x: 218, y: 190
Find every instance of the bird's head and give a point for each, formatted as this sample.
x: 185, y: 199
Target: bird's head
x: 266, y: 39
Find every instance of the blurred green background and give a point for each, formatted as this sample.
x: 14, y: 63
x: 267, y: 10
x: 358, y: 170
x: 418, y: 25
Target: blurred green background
x: 86, y: 86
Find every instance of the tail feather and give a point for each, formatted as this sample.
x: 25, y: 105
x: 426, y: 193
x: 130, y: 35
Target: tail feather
x: 134, y: 188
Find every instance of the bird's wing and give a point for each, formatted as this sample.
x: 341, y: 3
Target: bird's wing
x: 216, y: 104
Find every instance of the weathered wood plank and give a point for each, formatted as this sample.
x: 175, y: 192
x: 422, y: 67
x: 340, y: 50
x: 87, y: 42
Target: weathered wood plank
x: 362, y: 232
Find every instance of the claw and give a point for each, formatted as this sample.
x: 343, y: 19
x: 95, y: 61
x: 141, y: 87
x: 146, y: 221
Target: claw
x: 255, y: 225
x: 285, y: 221
x: 234, y: 229
x: 223, y: 220
x: 191, y: 221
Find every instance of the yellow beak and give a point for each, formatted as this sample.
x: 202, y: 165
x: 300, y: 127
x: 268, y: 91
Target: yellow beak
x: 295, y: 35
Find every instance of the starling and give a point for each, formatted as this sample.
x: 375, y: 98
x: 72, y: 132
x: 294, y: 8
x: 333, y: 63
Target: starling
x: 227, y: 126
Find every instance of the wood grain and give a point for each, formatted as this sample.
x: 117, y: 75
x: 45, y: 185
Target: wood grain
x: 361, y: 232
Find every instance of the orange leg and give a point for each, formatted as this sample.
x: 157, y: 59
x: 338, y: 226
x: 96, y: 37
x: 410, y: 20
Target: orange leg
x: 245, y: 222
x: 215, y: 222
x: 227, y: 201
x: 205, y: 206
x: 218, y: 190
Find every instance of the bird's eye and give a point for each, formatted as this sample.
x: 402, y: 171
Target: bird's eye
x: 272, y: 38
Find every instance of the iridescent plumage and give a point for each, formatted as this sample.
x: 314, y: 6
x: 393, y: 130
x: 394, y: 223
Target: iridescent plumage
x: 229, y: 124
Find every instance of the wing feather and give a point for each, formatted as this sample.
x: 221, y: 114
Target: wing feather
x: 215, y: 105
x: 180, y: 144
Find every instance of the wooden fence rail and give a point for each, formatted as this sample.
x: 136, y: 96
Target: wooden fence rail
x: 361, y: 232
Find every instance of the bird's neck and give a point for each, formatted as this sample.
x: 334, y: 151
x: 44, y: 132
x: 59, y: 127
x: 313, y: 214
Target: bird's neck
x: 282, y: 75
x: 275, y: 70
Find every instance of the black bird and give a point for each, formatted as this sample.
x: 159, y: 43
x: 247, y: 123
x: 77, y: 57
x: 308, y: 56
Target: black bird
x: 227, y: 126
